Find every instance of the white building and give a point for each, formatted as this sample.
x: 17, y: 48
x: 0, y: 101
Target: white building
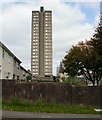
x: 6, y: 63
x: 10, y: 65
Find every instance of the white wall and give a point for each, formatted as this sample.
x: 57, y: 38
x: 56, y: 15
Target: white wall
x: 0, y: 61
x: 7, y: 65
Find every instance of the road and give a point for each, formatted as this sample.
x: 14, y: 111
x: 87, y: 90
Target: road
x: 14, y: 114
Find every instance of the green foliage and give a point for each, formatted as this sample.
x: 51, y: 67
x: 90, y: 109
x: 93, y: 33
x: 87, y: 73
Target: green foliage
x: 53, y: 103
x: 29, y: 77
x: 86, y: 58
x: 40, y: 102
x: 15, y: 101
x: 75, y: 81
x: 96, y: 40
x: 25, y: 103
x: 71, y: 80
x: 50, y: 108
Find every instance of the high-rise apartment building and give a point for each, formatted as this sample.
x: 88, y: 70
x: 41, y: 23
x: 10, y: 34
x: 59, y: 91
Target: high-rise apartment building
x: 41, y: 44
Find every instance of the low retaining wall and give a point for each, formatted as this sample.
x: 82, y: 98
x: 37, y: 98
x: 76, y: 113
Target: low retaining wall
x: 63, y: 93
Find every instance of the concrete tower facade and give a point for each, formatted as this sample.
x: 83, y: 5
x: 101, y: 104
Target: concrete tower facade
x: 41, y: 43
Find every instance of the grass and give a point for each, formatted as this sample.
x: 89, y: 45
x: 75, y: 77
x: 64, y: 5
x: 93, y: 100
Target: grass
x: 41, y: 107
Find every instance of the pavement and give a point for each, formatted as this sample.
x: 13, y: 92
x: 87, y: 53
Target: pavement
x: 14, y: 114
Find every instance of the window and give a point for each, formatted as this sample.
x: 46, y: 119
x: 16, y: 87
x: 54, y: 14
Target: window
x: 35, y: 56
x: 17, y: 77
x: 8, y: 75
x: 46, y: 24
x: 35, y: 60
x: 46, y: 56
x: 46, y: 49
x: 35, y: 46
x: 46, y: 66
x: 35, y: 49
x: 14, y: 76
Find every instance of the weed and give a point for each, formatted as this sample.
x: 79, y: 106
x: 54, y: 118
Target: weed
x: 53, y: 107
x: 53, y: 103
x: 25, y: 103
x: 40, y: 102
x: 15, y: 101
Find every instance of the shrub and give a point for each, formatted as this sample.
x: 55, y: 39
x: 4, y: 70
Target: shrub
x: 29, y: 77
x: 74, y: 81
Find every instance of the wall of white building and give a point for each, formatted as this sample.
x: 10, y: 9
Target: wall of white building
x: 0, y: 61
x: 10, y: 67
x: 7, y: 65
x: 16, y: 69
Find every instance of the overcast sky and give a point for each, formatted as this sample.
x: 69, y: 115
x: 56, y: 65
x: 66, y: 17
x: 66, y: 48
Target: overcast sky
x: 72, y: 22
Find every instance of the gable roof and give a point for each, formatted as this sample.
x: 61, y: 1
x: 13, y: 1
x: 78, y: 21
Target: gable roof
x: 6, y: 49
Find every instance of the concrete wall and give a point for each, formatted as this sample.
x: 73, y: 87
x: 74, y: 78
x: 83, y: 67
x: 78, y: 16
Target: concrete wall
x: 41, y: 45
x: 63, y: 93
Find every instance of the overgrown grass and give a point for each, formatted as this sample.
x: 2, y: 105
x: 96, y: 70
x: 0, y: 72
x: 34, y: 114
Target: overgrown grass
x: 41, y: 106
x: 15, y: 101
x: 53, y: 104
x: 40, y: 102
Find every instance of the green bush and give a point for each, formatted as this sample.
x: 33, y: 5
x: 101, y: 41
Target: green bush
x: 29, y: 77
x: 75, y: 81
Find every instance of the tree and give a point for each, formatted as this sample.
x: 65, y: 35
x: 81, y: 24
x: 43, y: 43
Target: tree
x: 86, y: 58
x: 96, y: 43
x: 82, y: 60
x: 96, y: 40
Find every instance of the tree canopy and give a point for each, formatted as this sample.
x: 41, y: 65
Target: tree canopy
x: 86, y: 58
